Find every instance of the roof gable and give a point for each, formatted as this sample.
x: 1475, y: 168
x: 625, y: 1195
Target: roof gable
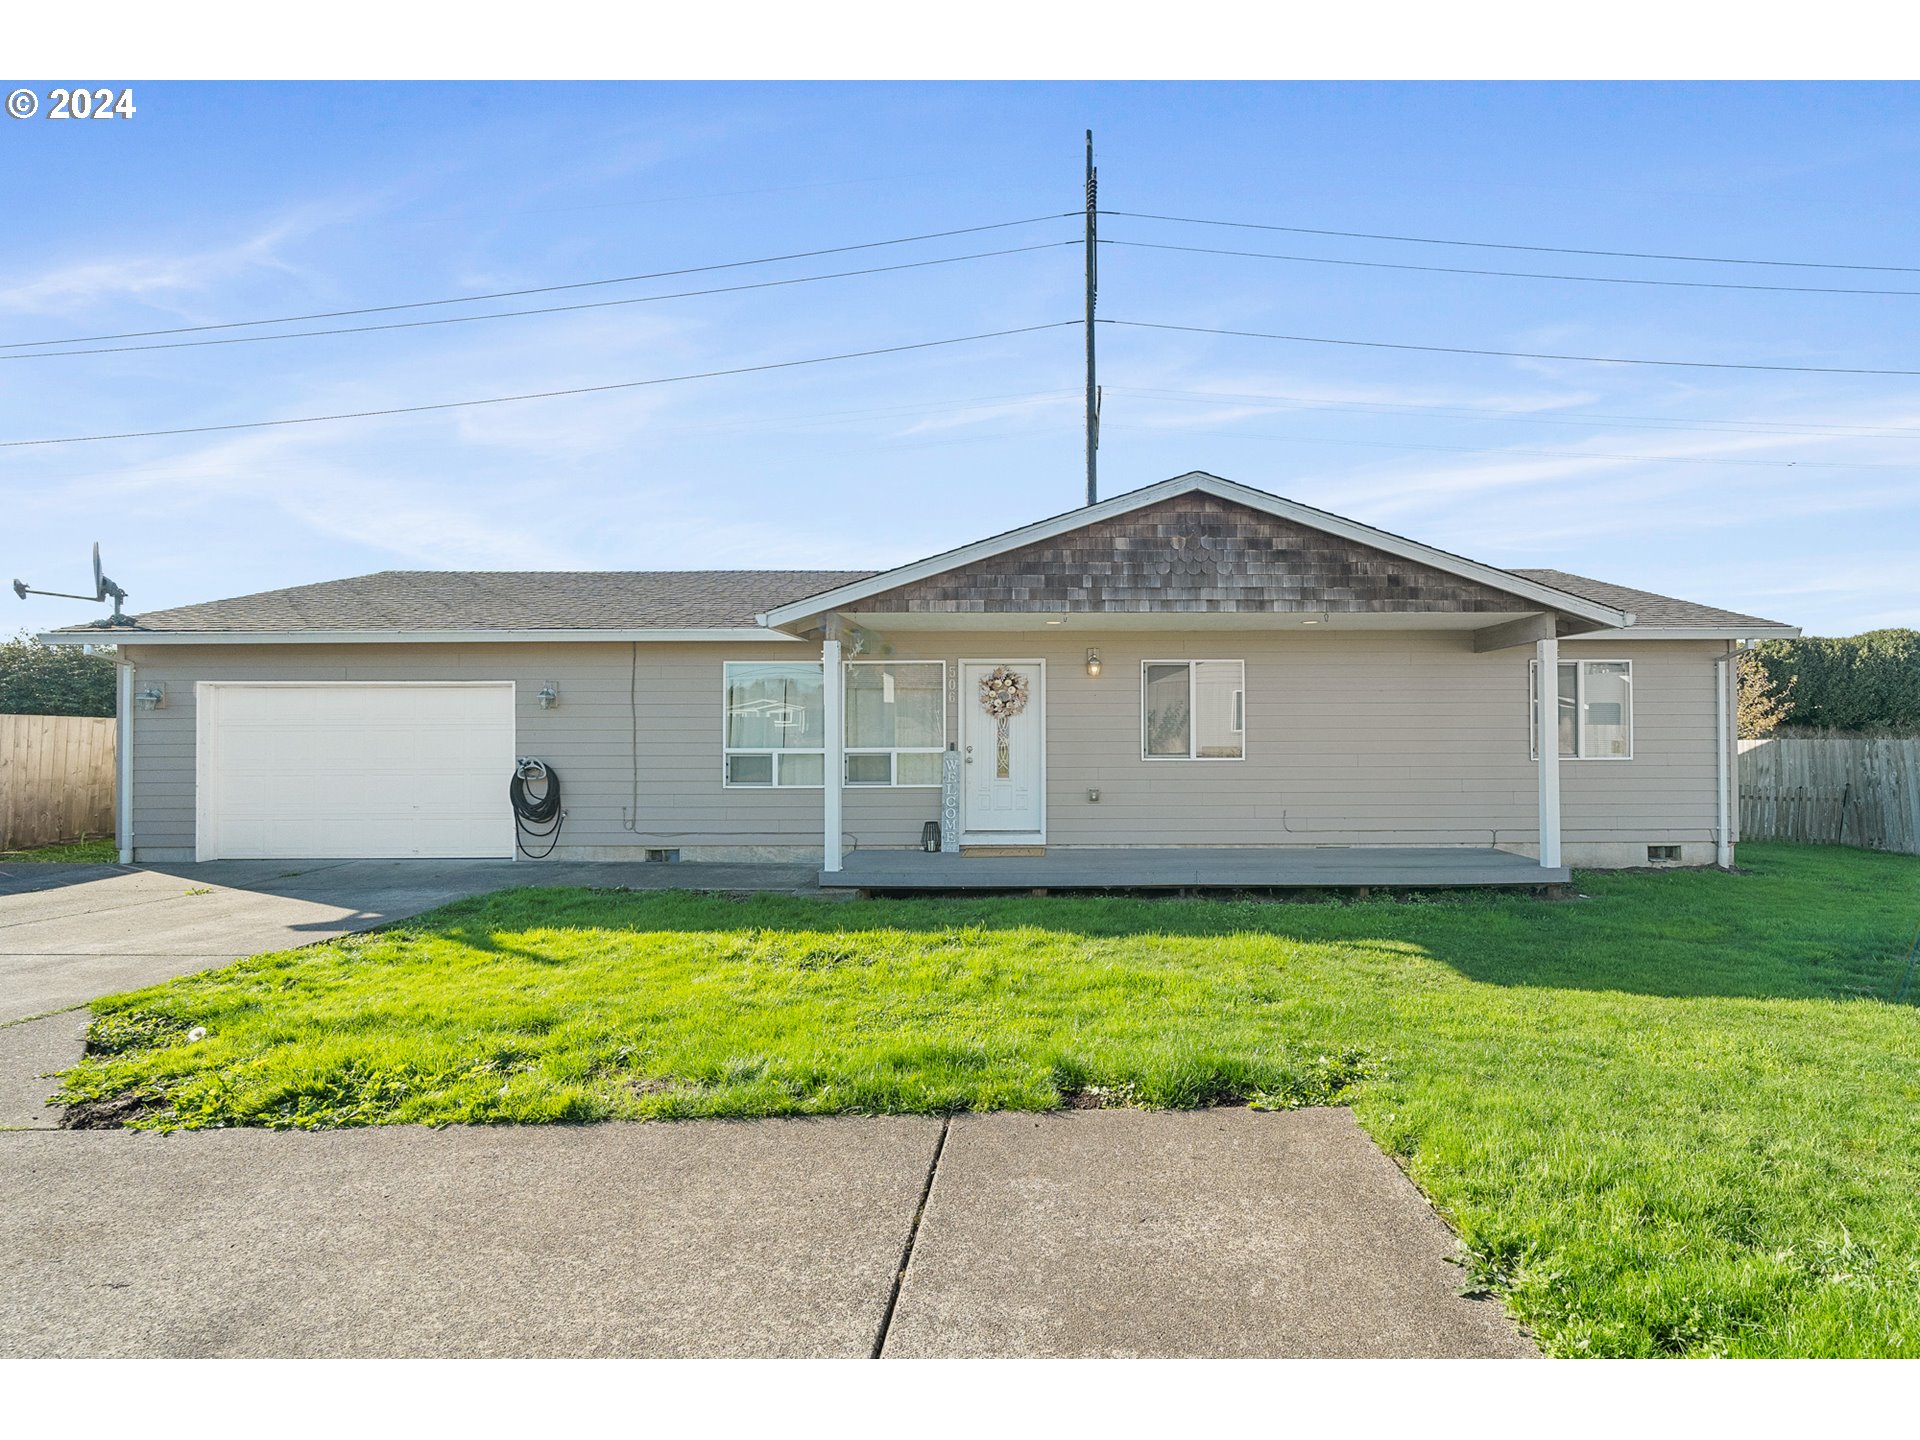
x: 1369, y: 571
x: 1192, y: 552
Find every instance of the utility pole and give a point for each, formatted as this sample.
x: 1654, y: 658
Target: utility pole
x: 1093, y: 290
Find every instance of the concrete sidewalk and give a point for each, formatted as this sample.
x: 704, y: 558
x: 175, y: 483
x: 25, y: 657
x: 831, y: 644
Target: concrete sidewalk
x: 1087, y: 1233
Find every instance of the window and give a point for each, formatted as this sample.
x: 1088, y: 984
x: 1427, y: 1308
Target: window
x: 1595, y: 709
x: 1193, y: 710
x: 776, y: 724
x: 896, y: 721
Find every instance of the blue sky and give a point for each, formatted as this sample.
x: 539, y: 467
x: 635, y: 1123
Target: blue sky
x: 1789, y: 495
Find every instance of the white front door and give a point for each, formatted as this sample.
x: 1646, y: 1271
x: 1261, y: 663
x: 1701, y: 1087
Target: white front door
x: 1003, y: 762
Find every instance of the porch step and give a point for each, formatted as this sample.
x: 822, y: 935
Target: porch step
x: 982, y: 852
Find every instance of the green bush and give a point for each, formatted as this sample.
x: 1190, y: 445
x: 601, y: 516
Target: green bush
x: 1852, y: 682
x: 38, y: 679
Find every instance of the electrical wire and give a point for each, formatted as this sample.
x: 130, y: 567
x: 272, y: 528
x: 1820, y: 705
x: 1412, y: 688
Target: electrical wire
x: 541, y: 289
x: 1553, y: 454
x: 1509, y: 354
x: 1500, y: 245
x: 538, y: 394
x: 1580, y: 419
x: 541, y: 310
x: 1509, y: 274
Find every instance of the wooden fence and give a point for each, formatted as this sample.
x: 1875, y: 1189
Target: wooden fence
x: 1832, y: 790
x: 56, y: 779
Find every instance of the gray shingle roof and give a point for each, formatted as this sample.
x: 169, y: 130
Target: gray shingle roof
x: 508, y: 600
x: 1649, y: 610
x: 424, y: 600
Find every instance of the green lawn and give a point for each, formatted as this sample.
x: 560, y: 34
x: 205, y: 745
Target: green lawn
x: 1678, y: 1117
x: 75, y: 852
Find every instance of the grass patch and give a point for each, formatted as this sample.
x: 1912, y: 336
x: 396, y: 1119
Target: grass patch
x: 74, y: 852
x: 1675, y: 1118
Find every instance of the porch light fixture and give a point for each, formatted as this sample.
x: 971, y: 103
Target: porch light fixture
x: 1093, y: 663
x: 151, y: 698
x: 1058, y: 620
x: 549, y: 697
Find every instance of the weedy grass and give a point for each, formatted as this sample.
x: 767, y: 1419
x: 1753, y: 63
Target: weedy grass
x: 1677, y: 1117
x: 73, y: 852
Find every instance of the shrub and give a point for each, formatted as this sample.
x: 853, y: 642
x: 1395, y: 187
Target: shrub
x: 38, y: 679
x: 1855, y: 682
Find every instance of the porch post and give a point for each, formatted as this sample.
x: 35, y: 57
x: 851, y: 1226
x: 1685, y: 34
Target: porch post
x: 1547, y: 741
x: 836, y: 762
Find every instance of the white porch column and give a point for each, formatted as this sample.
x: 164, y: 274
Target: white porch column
x: 1547, y: 741
x: 1725, y: 749
x: 836, y: 758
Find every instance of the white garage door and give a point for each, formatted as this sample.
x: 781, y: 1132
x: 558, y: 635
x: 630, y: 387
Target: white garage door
x: 347, y: 771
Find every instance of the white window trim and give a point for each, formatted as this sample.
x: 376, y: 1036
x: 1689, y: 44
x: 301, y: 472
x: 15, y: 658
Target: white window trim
x: 1193, y: 673
x: 893, y: 752
x: 727, y: 752
x: 1580, y: 664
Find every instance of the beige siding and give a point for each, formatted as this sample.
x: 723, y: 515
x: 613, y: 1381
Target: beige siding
x: 1405, y: 737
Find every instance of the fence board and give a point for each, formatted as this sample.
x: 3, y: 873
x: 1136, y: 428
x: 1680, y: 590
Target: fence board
x: 1832, y: 790
x: 56, y: 779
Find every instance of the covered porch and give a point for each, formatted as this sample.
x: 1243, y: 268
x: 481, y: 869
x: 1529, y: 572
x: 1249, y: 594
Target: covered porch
x: 1329, y: 867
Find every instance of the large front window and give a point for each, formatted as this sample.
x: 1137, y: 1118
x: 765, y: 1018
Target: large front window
x: 1595, y: 705
x: 1193, y: 710
x: 776, y: 723
x: 896, y: 721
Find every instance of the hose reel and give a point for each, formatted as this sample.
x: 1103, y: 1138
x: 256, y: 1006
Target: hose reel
x: 537, y: 817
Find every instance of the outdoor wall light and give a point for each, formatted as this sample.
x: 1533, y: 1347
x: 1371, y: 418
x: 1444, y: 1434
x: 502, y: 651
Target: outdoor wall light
x: 1093, y: 663
x: 549, y: 697
x: 151, y: 698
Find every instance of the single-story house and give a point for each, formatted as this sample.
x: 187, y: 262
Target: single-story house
x: 1193, y: 664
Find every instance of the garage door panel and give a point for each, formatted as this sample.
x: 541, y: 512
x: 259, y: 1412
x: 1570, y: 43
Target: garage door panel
x: 356, y: 771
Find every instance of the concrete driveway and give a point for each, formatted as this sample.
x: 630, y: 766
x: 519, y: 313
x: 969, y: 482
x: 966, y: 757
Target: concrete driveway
x: 71, y: 933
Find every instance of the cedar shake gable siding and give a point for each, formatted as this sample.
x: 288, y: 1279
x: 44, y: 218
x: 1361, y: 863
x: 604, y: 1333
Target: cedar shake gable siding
x: 1193, y: 553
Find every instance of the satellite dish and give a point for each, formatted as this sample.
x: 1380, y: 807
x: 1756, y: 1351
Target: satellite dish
x: 102, y: 589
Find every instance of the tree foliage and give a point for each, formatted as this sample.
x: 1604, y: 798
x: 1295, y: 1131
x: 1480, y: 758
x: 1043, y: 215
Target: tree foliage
x: 1763, y: 704
x: 1867, y: 682
x: 38, y: 679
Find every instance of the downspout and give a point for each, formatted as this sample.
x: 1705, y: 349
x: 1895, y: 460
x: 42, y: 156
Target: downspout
x: 835, y: 758
x: 1723, y: 769
x: 123, y: 761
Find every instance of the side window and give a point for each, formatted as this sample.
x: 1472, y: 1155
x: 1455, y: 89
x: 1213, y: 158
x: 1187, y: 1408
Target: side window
x: 1193, y: 710
x: 896, y: 721
x: 774, y: 728
x: 1595, y: 700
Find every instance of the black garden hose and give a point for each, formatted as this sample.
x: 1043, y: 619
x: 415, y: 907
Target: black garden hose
x: 537, y: 816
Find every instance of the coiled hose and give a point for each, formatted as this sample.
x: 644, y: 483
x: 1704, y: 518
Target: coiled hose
x: 539, y: 817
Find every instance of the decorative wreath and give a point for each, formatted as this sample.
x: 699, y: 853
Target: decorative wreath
x: 1003, y: 693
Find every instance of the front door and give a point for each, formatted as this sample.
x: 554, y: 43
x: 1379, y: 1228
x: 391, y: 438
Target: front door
x: 1003, y: 755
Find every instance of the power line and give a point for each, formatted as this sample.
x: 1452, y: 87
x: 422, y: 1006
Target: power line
x: 1499, y: 245
x: 1805, y: 429
x: 1512, y: 354
x: 1511, y: 274
x: 540, y: 289
x: 1562, y: 454
x: 539, y: 310
x: 538, y: 394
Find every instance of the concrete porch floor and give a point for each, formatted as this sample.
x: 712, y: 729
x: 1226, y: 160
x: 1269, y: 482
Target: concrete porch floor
x: 1195, y: 868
